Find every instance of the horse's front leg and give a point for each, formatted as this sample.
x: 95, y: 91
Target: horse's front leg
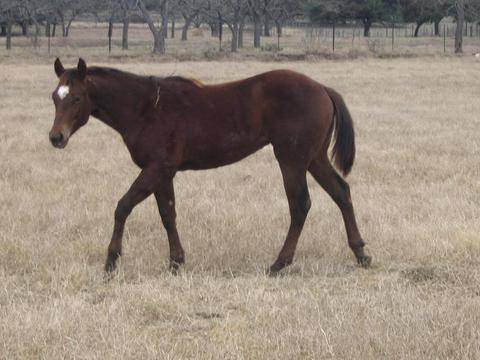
x: 166, y: 205
x: 142, y: 187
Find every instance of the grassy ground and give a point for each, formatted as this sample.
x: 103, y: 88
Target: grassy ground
x: 415, y: 187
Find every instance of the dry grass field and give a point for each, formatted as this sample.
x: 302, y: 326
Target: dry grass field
x: 415, y: 185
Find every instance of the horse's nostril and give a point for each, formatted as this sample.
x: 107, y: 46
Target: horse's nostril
x: 56, y: 138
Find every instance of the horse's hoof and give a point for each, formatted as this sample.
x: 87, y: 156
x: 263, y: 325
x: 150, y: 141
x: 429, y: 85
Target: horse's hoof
x: 175, y: 265
x: 110, y: 267
x: 364, y: 261
x: 111, y: 262
x: 174, y: 269
x: 275, y: 269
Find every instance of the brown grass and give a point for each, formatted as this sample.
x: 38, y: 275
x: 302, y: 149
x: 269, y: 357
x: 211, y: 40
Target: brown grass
x: 416, y: 190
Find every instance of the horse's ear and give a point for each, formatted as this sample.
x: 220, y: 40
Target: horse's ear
x: 82, y: 69
x: 59, y: 69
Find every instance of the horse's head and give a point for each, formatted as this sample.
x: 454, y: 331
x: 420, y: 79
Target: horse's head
x: 72, y: 103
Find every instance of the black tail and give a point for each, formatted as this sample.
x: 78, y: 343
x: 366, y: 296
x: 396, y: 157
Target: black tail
x: 343, y: 153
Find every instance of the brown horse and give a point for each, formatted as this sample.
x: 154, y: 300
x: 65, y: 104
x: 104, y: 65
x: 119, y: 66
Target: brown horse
x: 172, y: 124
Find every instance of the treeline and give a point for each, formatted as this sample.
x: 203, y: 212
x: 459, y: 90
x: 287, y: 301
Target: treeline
x: 418, y: 12
x: 56, y: 16
x: 368, y: 12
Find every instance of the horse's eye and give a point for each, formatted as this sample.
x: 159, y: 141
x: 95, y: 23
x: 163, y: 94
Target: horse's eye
x: 76, y: 100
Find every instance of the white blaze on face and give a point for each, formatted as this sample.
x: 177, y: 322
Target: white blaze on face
x: 63, y: 91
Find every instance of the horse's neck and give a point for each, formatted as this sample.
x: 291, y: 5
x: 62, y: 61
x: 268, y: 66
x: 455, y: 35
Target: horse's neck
x: 111, y: 104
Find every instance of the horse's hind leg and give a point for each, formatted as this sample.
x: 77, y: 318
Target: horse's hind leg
x: 166, y: 205
x: 339, y: 191
x: 295, y: 182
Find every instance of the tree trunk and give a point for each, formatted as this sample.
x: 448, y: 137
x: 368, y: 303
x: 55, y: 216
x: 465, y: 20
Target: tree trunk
x: 186, y: 26
x: 278, y: 24
x: 62, y: 22
x: 54, y: 30
x: 257, y: 30
x: 158, y: 34
x: 9, y: 35
x: 24, y: 28
x: 158, y: 43
x: 417, y: 29
x: 126, y: 24
x: 240, y: 34
x: 67, y: 28
x: 220, y: 32
x: 460, y: 7
x: 436, y: 25
x: 367, y: 24
x: 164, y: 12
x: 3, y: 31
x: 214, y: 29
x: 172, y: 32
x: 47, y: 29
x: 266, y: 25
x: 37, y: 33
x: 234, y: 42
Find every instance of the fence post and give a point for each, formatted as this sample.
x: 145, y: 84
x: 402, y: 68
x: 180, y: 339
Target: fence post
x: 333, y: 37
x: 353, y: 37
x: 9, y: 33
x: 48, y: 36
x: 110, y: 32
x: 444, y: 40
x: 393, y: 35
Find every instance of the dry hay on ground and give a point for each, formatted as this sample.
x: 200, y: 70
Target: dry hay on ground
x: 415, y: 187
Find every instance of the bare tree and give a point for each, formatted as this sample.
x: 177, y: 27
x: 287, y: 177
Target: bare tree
x: 232, y: 13
x: 460, y: 7
x: 32, y: 10
x: 280, y: 11
x: 215, y: 20
x: 126, y: 7
x: 256, y: 9
x: 67, y: 11
x: 7, y: 13
x: 157, y: 32
x: 190, y: 9
x: 266, y: 18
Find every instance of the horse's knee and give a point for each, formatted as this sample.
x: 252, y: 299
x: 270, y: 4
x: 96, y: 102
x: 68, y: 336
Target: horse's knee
x: 168, y: 217
x: 168, y: 223
x: 342, y: 197
x: 122, y: 211
x: 303, y: 204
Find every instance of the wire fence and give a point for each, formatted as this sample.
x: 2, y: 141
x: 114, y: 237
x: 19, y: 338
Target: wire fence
x: 296, y: 38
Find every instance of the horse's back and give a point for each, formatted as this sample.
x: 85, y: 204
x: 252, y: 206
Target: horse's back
x: 233, y: 120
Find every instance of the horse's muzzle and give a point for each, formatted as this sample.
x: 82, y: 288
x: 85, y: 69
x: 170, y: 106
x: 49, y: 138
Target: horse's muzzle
x: 58, y: 140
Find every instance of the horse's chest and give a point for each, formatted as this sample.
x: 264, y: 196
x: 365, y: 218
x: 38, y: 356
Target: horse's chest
x: 152, y: 145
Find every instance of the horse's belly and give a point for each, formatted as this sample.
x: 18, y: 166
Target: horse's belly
x: 221, y: 154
